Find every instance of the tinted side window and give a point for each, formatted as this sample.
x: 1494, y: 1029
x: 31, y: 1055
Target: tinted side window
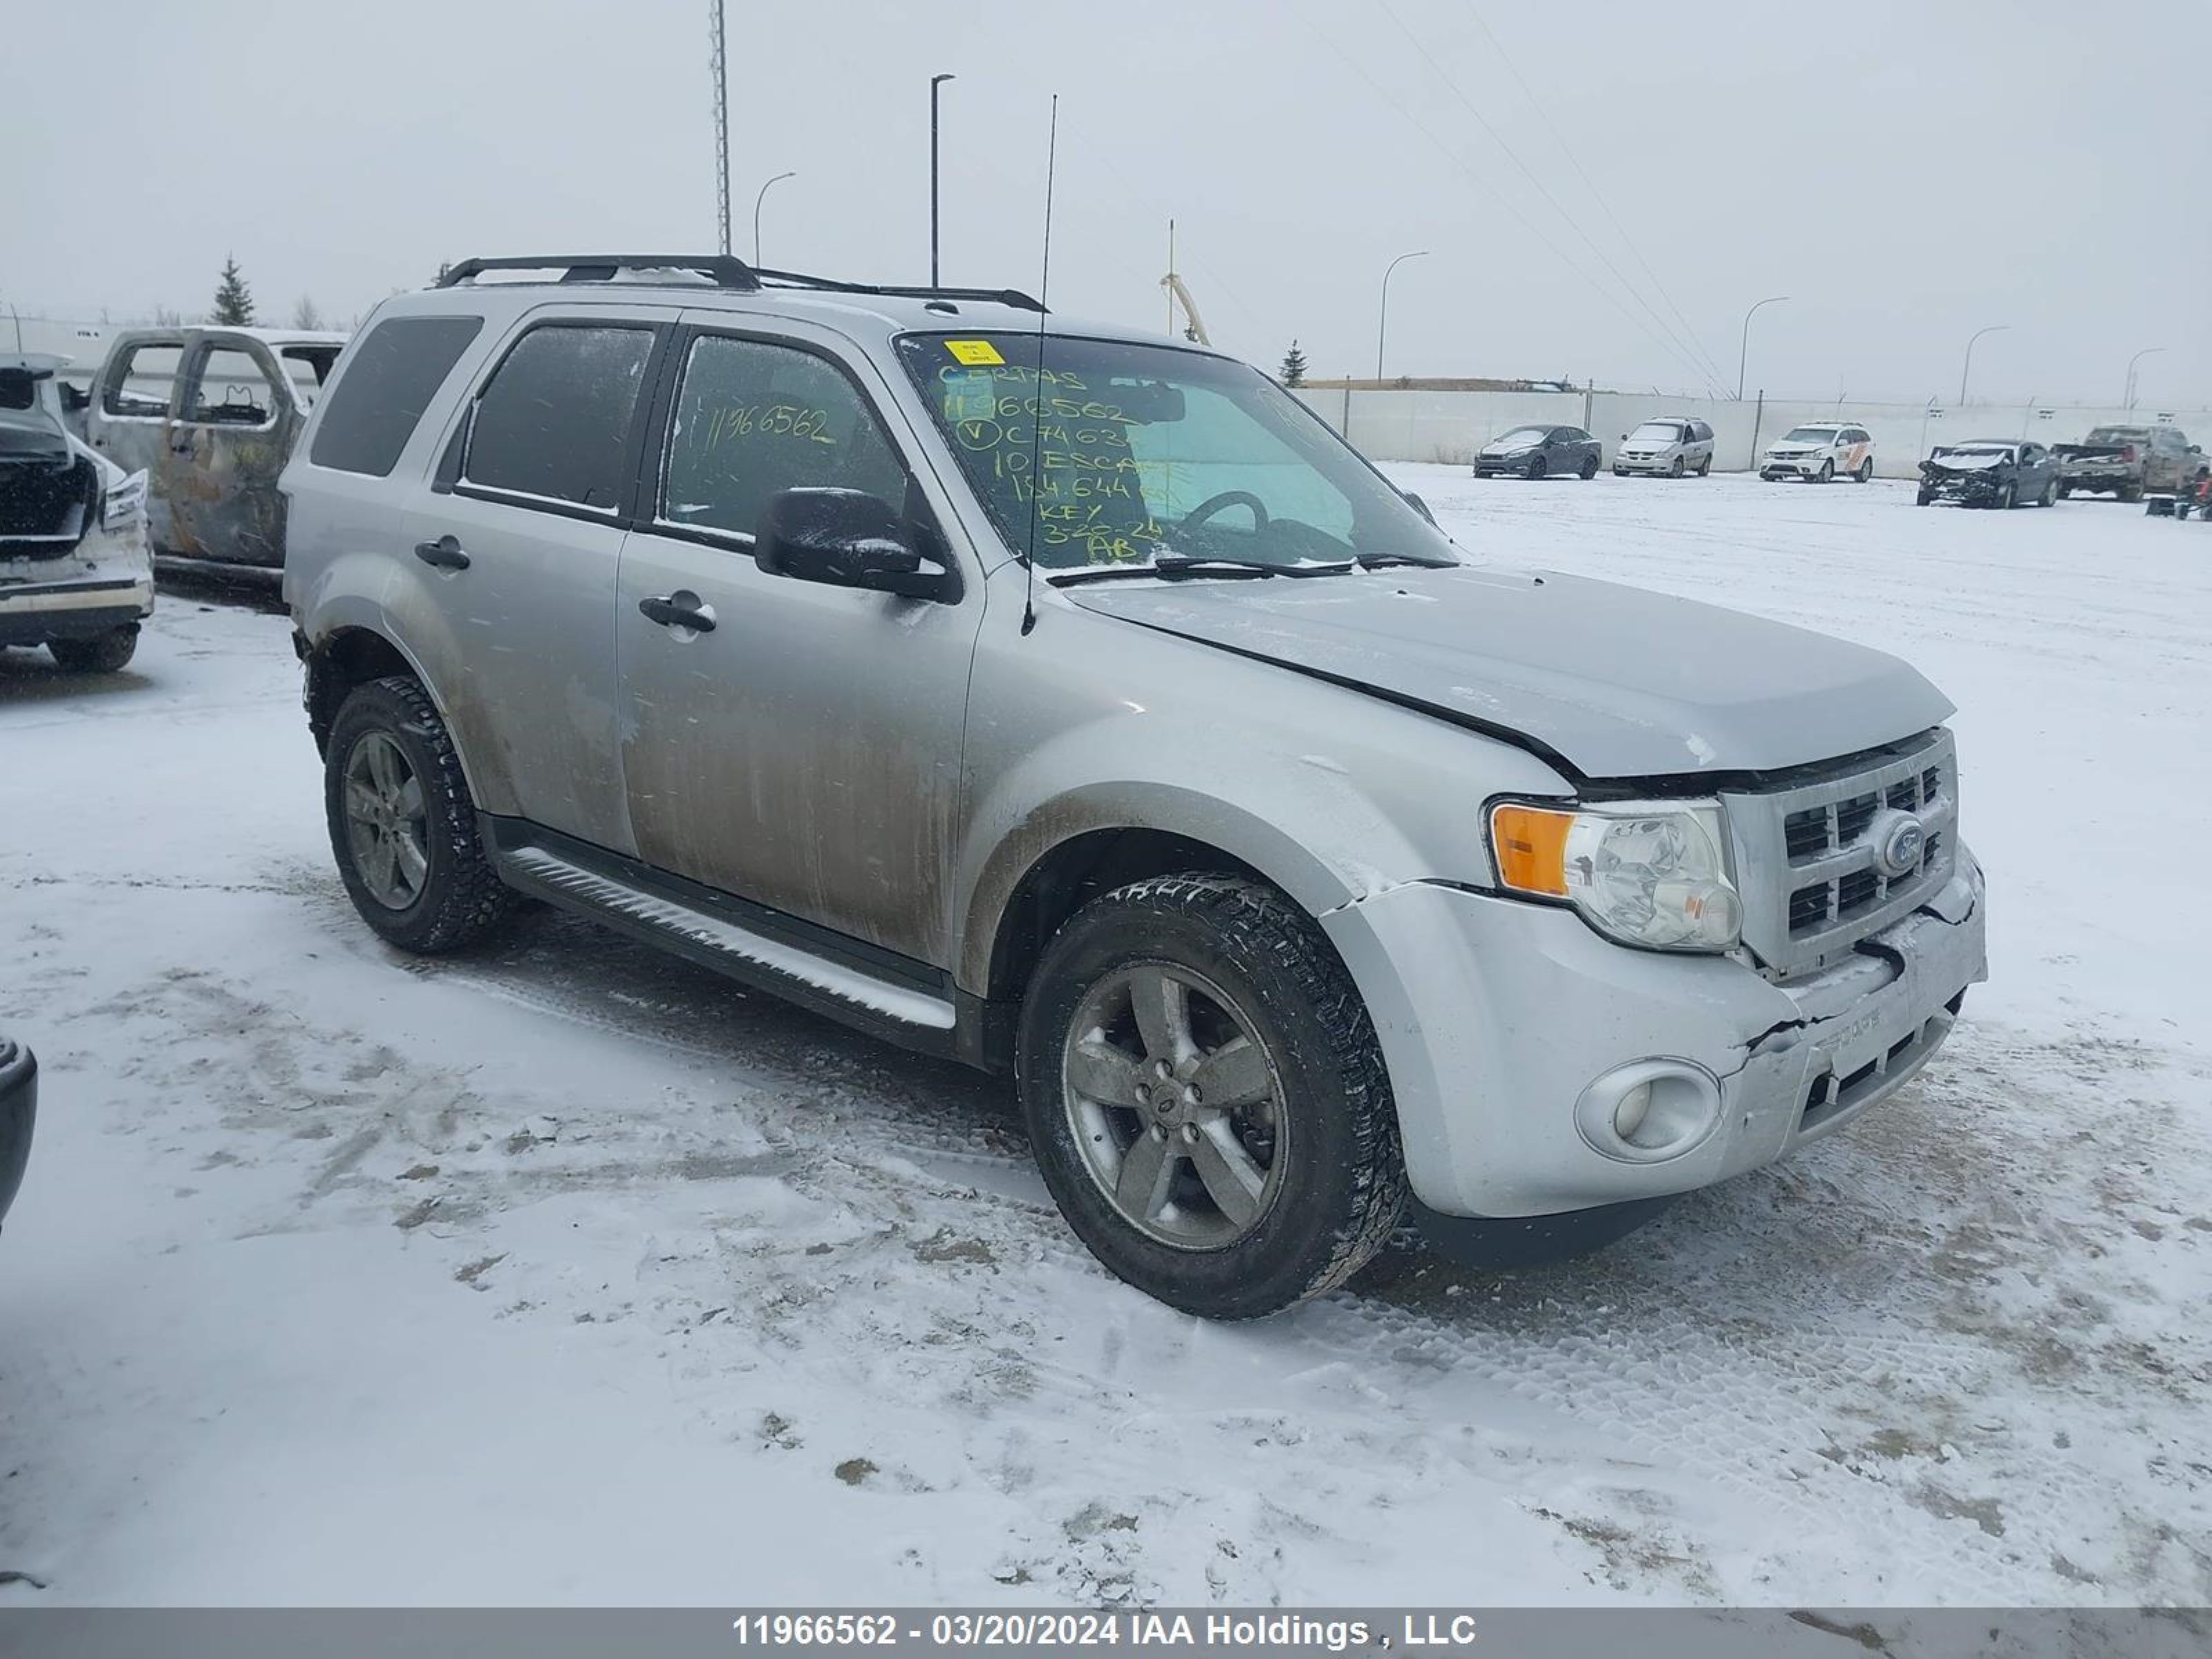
x: 554, y: 420
x: 394, y: 372
x: 752, y: 419
x: 139, y: 383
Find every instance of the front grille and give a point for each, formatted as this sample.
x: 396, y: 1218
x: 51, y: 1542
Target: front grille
x: 1807, y: 861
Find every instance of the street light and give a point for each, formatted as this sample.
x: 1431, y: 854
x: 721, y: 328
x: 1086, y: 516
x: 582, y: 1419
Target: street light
x: 758, y: 200
x: 1994, y: 328
x: 1382, y: 320
x: 2128, y: 398
x: 1743, y: 347
x: 935, y: 82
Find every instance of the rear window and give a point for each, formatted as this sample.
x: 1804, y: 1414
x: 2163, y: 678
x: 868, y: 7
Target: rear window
x: 395, y: 371
x: 554, y: 420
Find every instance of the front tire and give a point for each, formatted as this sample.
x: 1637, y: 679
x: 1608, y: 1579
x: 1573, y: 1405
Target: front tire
x: 403, y: 824
x: 2049, y: 497
x: 1536, y: 468
x: 1925, y: 497
x: 1827, y: 473
x: 103, y: 653
x: 2007, y: 498
x: 1206, y: 1098
x: 1677, y: 470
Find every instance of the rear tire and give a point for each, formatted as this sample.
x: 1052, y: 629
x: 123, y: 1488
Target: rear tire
x: 1865, y: 472
x: 103, y: 653
x: 1279, y: 1097
x: 1589, y: 468
x: 2065, y: 491
x: 1706, y: 467
x: 403, y: 824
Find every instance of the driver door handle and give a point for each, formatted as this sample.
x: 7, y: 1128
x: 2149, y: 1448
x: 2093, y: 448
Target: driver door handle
x: 445, y: 553
x: 670, y: 612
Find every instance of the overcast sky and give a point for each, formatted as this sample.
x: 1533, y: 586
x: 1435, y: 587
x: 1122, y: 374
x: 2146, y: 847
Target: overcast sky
x: 1907, y: 171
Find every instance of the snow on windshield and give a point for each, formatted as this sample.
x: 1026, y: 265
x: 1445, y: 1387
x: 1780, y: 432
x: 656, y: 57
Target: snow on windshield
x: 1658, y: 432
x: 1809, y: 434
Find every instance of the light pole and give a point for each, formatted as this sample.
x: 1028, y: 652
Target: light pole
x: 2128, y: 398
x: 1964, y: 367
x: 935, y: 82
x: 1743, y: 346
x: 1382, y: 317
x: 758, y: 200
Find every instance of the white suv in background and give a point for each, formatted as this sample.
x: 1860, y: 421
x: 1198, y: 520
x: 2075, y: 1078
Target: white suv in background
x: 1818, y: 451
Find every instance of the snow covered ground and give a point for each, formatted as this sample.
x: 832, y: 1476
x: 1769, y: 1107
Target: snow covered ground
x: 568, y: 1273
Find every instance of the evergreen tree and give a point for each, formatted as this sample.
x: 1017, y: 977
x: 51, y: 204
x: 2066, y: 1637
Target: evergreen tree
x: 233, y: 301
x: 1293, y: 372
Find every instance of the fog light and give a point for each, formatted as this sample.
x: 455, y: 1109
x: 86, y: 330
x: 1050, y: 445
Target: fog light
x: 1648, y: 1110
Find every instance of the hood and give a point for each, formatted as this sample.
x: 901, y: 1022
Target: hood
x: 1968, y: 463
x: 1502, y: 447
x: 1618, y: 682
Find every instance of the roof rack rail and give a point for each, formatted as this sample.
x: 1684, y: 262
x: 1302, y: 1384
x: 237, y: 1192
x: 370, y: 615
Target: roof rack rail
x: 1003, y: 296
x: 720, y: 269
x: 723, y: 271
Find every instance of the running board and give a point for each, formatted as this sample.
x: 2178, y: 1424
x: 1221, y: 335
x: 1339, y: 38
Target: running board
x: 905, y: 1013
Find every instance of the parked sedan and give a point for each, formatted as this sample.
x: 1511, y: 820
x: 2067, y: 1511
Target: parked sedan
x: 1539, y: 451
x: 19, y: 1110
x: 1666, y: 446
x: 1989, y: 473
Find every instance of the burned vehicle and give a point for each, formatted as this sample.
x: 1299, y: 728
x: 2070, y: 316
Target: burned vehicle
x: 1989, y: 473
x: 2126, y: 462
x: 210, y: 415
x: 76, y: 575
x: 1075, y: 704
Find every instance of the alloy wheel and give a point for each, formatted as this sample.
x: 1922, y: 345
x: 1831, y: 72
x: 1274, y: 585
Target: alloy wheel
x: 1176, y: 1105
x: 388, y: 823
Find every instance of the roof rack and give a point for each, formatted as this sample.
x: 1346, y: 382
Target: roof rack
x: 720, y: 270
x: 723, y: 271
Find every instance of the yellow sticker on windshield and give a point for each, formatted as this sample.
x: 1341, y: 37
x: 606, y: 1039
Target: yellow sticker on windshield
x: 974, y: 352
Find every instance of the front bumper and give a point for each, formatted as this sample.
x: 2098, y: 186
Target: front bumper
x: 1624, y: 464
x: 1491, y: 466
x: 1975, y: 490
x: 1793, y: 467
x: 19, y: 1110
x: 1495, y: 1016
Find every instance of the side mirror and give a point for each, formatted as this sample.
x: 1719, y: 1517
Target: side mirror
x: 845, y: 538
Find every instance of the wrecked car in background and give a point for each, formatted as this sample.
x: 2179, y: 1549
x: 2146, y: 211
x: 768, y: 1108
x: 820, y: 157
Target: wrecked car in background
x: 76, y: 575
x: 1989, y: 473
x: 210, y: 415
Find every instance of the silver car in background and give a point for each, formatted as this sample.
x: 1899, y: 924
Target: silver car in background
x: 1666, y: 446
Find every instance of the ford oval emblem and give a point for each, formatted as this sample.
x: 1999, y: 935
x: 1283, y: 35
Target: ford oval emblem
x: 1898, y: 844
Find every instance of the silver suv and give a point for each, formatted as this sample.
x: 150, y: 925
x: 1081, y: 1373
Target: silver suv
x: 1072, y: 702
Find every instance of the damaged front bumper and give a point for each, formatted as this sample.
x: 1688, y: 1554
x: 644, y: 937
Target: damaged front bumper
x: 1973, y: 489
x: 1519, y: 1012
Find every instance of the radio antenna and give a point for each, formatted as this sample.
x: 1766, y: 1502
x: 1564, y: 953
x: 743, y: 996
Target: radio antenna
x: 1037, y: 419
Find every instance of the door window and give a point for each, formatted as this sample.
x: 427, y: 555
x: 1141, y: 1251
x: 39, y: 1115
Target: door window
x: 753, y: 419
x: 554, y: 421
x: 137, y: 387
x: 231, y: 389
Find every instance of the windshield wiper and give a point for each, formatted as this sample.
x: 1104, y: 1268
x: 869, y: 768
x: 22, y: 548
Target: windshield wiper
x: 1174, y: 565
x: 1381, y: 560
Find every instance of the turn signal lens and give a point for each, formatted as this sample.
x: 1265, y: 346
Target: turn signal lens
x: 1532, y: 848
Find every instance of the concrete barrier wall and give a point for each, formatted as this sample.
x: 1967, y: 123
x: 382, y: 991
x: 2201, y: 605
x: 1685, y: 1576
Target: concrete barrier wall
x: 1451, y: 426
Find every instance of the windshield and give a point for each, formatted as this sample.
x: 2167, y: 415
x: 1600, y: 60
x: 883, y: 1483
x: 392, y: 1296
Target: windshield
x: 1523, y: 435
x: 1656, y: 432
x: 1136, y: 452
x: 1809, y: 434
x: 2119, y: 435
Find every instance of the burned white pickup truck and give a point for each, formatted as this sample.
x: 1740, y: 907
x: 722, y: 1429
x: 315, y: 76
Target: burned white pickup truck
x: 211, y: 415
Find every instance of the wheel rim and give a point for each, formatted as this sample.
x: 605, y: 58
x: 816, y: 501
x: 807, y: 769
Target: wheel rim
x: 1175, y: 1103
x: 387, y: 825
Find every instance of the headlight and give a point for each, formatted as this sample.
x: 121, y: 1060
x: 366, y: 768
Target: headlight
x: 1649, y: 873
x: 125, y: 503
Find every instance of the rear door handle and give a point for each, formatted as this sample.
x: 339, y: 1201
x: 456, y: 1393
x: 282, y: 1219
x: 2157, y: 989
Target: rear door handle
x: 445, y: 553
x: 678, y: 610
